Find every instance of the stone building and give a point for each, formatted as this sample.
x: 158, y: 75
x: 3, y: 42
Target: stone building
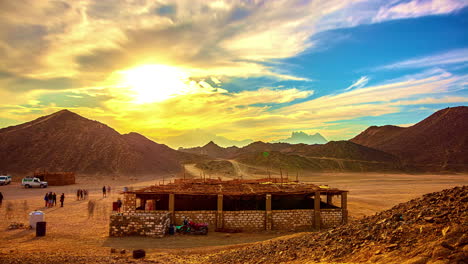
x: 244, y: 205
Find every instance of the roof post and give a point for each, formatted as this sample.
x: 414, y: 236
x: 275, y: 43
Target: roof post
x: 219, y: 215
x: 268, y: 213
x: 329, y: 199
x: 171, y: 207
x: 344, y: 207
x: 317, y: 219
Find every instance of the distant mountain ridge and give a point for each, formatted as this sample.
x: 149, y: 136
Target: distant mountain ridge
x: 65, y: 141
x: 303, y: 138
x: 199, y: 137
x: 437, y: 143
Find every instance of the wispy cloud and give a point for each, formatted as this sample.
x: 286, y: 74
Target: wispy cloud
x: 359, y: 83
x: 417, y: 8
x: 451, y: 57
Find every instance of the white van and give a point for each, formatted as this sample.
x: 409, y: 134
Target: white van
x: 33, y: 182
x: 4, y: 180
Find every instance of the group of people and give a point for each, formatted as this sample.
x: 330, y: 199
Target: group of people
x: 81, y: 194
x: 50, y: 199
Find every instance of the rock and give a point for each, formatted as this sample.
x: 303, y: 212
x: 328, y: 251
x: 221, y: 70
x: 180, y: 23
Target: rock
x: 447, y: 246
x: 429, y: 219
x: 445, y: 230
x: 440, y: 252
x: 391, y: 246
x: 417, y: 260
x: 139, y: 253
x: 123, y: 251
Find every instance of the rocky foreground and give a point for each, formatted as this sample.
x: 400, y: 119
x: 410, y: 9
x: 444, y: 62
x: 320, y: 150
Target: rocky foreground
x: 430, y: 229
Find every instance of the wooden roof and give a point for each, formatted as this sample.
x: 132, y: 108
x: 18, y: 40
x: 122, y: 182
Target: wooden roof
x: 236, y: 187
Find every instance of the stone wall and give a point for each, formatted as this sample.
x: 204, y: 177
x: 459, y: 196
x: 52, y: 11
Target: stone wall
x: 154, y: 224
x: 330, y: 217
x: 197, y: 217
x: 293, y: 220
x: 129, y: 202
x: 244, y: 220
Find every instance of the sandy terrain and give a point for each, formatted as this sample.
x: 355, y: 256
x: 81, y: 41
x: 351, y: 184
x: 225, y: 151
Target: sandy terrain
x: 71, y: 231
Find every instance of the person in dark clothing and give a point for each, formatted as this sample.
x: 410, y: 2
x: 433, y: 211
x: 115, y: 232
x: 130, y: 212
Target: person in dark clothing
x: 104, y: 191
x: 81, y: 194
x: 46, y: 199
x: 1, y: 199
x: 54, y: 199
x: 77, y: 194
x: 62, y: 199
x: 119, y: 204
x: 50, y: 198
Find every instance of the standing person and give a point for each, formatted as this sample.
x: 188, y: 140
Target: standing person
x: 50, y: 199
x: 1, y: 199
x: 90, y: 209
x: 46, y: 199
x: 77, y: 194
x: 104, y: 191
x: 119, y: 204
x: 62, y: 199
x: 54, y: 199
x: 82, y: 194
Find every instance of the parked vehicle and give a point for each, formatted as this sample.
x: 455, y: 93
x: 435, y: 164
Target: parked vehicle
x: 33, y: 182
x: 193, y: 228
x: 4, y: 180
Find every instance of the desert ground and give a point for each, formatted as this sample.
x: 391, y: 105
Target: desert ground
x: 71, y: 231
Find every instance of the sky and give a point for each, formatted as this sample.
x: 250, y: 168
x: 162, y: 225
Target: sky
x: 238, y: 69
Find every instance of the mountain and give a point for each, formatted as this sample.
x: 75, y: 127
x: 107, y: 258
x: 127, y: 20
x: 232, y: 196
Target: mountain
x: 212, y: 150
x: 437, y: 143
x: 198, y: 137
x: 304, y: 138
x: 65, y: 141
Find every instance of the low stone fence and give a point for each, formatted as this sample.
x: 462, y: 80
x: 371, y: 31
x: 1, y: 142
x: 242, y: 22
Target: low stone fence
x: 244, y: 220
x: 293, y: 220
x: 154, y: 224
x: 197, y: 217
x: 331, y: 217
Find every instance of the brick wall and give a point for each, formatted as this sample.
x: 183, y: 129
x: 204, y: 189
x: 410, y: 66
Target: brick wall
x: 293, y: 220
x: 197, y: 217
x: 244, y: 220
x: 330, y: 217
x: 154, y: 224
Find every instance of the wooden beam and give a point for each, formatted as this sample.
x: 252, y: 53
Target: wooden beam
x: 268, y: 213
x: 172, y: 207
x: 219, y: 214
x: 317, y: 218
x: 344, y: 207
x: 329, y: 199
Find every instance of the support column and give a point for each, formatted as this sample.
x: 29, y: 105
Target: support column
x: 268, y: 213
x: 129, y: 203
x: 329, y: 199
x: 171, y: 207
x: 317, y: 219
x: 344, y: 207
x: 219, y: 215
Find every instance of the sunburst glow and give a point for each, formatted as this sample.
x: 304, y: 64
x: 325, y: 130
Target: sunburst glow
x: 155, y: 83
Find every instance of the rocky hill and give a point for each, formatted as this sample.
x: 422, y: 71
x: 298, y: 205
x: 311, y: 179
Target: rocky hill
x: 333, y: 156
x: 438, y: 143
x: 430, y: 229
x: 65, y: 141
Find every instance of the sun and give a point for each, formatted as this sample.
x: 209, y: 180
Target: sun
x: 155, y: 83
